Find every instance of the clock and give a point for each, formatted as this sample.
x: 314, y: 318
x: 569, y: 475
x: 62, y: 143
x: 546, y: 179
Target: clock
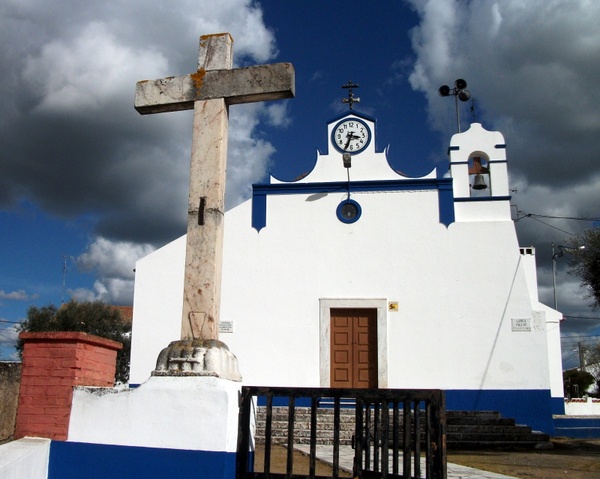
x: 351, y: 135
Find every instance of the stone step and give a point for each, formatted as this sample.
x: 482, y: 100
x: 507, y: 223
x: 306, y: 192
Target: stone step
x: 487, y: 429
x: 452, y: 414
x: 502, y: 421
x: 306, y: 433
x: 465, y: 429
x: 491, y: 436
x: 306, y: 440
x: 281, y: 418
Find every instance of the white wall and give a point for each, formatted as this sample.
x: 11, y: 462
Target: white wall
x: 458, y: 289
x: 157, y: 305
x: 25, y: 458
x: 165, y: 412
x: 583, y: 407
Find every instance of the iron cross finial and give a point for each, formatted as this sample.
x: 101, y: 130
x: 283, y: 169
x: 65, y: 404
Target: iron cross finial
x: 351, y: 99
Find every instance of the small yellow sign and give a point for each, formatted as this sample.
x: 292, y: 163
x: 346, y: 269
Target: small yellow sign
x: 393, y: 306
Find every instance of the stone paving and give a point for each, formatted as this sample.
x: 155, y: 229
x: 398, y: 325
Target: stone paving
x: 455, y: 471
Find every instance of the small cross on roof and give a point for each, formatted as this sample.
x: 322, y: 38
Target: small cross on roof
x: 351, y: 99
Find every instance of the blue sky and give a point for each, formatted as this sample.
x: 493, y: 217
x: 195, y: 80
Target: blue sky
x: 87, y: 182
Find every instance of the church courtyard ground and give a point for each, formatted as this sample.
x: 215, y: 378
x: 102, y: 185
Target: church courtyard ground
x: 569, y: 458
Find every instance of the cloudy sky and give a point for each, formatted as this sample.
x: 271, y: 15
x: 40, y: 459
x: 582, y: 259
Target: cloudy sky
x: 87, y: 185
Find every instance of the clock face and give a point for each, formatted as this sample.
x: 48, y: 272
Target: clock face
x: 351, y: 135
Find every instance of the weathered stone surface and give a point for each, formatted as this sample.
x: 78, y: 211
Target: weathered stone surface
x: 198, y: 357
x: 10, y: 379
x: 242, y: 85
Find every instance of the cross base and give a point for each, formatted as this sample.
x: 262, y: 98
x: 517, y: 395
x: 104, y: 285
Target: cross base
x: 197, y: 357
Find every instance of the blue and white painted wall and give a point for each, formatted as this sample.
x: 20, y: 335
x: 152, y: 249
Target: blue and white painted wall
x: 456, y: 298
x: 167, y: 427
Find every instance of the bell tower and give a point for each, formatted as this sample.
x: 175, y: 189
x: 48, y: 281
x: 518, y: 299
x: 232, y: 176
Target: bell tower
x: 479, y: 174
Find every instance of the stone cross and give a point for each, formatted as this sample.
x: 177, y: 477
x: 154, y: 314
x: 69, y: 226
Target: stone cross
x: 210, y: 91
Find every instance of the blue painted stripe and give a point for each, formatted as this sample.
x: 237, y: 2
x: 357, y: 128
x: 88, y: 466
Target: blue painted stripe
x: 75, y: 460
x: 558, y: 405
x: 577, y: 427
x: 483, y: 198
x: 532, y: 407
x: 442, y: 185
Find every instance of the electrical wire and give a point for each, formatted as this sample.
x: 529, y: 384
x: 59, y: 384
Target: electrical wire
x: 580, y: 317
x: 575, y: 218
x: 544, y: 223
x: 9, y: 339
x: 578, y: 339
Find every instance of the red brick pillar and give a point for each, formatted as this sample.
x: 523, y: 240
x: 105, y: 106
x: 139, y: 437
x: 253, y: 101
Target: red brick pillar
x: 54, y: 362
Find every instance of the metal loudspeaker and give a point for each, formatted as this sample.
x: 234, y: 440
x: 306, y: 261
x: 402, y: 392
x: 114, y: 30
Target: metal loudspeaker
x: 460, y: 84
x: 444, y: 90
x: 479, y: 182
x: 459, y: 93
x: 464, y: 95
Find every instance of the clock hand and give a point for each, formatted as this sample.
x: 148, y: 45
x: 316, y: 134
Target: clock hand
x: 350, y: 136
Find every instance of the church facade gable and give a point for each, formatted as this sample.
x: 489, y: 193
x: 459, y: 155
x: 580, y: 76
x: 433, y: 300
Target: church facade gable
x: 426, y: 288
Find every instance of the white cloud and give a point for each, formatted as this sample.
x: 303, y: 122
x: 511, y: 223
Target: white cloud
x: 19, y: 295
x: 277, y: 114
x: 113, y: 258
x: 10, y: 334
x: 114, y: 263
x: 248, y: 155
x: 86, y: 71
x: 110, y: 290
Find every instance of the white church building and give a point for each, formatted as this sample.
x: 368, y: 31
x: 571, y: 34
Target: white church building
x: 357, y: 276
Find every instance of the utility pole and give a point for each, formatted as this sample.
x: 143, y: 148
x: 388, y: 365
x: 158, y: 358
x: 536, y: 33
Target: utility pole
x: 581, y: 356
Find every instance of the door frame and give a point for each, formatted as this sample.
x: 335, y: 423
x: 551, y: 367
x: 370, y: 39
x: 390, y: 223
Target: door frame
x: 325, y: 306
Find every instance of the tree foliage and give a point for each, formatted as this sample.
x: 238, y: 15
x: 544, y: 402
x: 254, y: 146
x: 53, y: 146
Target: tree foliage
x: 93, y: 317
x: 591, y: 357
x: 576, y: 380
x: 585, y: 263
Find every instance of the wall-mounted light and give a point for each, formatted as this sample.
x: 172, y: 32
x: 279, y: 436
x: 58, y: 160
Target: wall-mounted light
x: 347, y: 158
x: 459, y: 93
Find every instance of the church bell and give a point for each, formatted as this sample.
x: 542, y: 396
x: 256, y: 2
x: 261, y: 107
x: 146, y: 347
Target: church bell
x: 479, y: 182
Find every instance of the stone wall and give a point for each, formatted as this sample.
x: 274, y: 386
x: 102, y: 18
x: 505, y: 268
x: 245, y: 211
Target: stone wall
x: 10, y: 379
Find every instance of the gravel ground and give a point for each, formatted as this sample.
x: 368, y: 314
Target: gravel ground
x: 569, y: 458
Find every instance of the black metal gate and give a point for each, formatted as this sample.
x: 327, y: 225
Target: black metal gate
x: 397, y: 433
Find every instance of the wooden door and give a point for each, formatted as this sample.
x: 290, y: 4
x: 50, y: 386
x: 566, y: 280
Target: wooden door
x: 353, y: 348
